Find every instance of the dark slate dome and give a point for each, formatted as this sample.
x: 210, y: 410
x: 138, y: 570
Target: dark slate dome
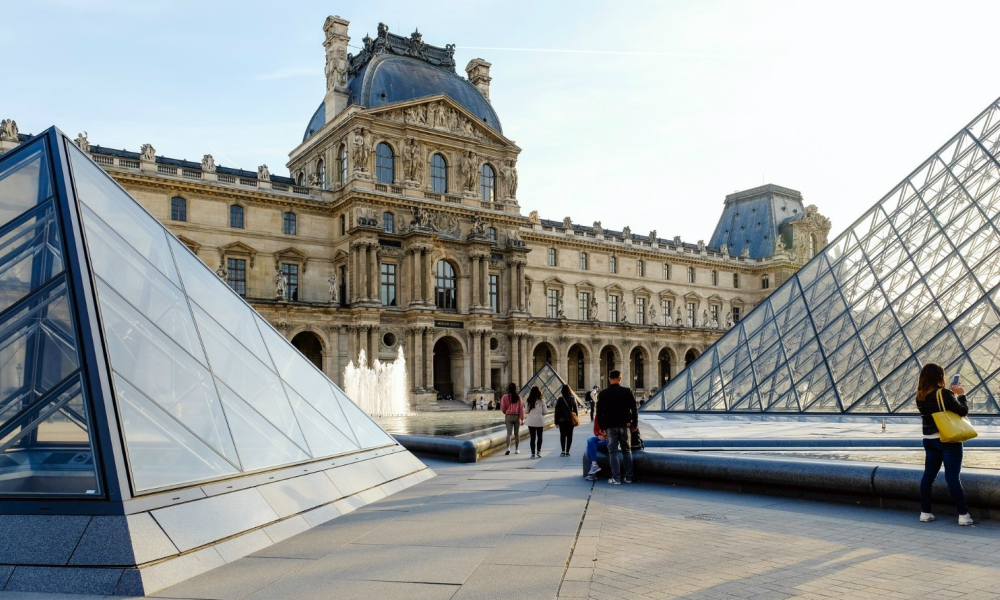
x: 391, y: 70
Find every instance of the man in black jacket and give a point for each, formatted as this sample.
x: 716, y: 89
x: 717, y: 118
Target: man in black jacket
x: 617, y: 417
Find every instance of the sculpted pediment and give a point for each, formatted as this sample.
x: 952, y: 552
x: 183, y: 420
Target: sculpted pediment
x: 440, y: 113
x: 554, y: 282
x: 239, y: 249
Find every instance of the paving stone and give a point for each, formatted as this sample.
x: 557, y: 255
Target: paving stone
x: 485, y: 534
x: 425, y: 564
x: 235, y: 580
x: 540, y: 550
x: 301, y: 588
x: 501, y: 582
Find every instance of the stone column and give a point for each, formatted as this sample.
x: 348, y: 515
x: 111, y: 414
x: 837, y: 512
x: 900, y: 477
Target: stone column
x: 484, y: 281
x: 372, y: 345
x: 425, y: 276
x: 373, y: 272
x: 428, y: 353
x: 484, y: 360
x: 473, y: 342
x: 474, y: 300
x: 512, y: 359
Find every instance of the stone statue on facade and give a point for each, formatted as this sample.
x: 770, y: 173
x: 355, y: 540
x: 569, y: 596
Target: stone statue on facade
x: 729, y: 320
x: 362, y: 149
x: 560, y: 313
x: 81, y: 142
x: 533, y: 217
x: 263, y: 173
x: 221, y: 271
x: 567, y: 223
x: 418, y: 218
x: 680, y: 317
x: 597, y: 228
x: 593, y: 308
x: 8, y: 130
x: 313, y: 180
x: 509, y: 172
x: 627, y: 232
x: 208, y: 163
x: 478, y: 227
x: 704, y: 319
x: 280, y: 284
x: 724, y: 249
x: 652, y: 315
x: 527, y: 295
x: 416, y: 115
x: 411, y: 155
x: 148, y: 153
x: 334, y: 290
x: 745, y: 253
x: 701, y: 246
x: 470, y: 164
x: 624, y: 318
x: 715, y: 322
x: 652, y: 236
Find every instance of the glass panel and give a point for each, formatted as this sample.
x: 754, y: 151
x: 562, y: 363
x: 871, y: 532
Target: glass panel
x: 900, y: 387
x: 24, y: 181
x: 30, y: 255
x: 856, y: 384
x: 102, y: 195
x: 162, y: 453
x: 367, y: 432
x: 48, y: 449
x: 923, y: 327
x: 260, y: 445
x: 37, y: 347
x: 143, y: 286
x: 323, y: 437
x: 213, y: 295
x: 156, y: 366
x: 247, y: 376
x: 872, y: 402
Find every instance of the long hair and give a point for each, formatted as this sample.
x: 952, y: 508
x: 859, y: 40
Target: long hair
x: 533, y: 397
x: 512, y: 392
x: 567, y: 393
x: 931, y: 378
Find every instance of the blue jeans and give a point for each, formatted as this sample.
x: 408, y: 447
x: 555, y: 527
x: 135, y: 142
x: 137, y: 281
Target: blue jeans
x: 594, y: 444
x: 619, y: 442
x: 938, y: 452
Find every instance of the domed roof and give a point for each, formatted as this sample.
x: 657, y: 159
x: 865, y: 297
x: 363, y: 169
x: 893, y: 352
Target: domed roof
x: 393, y: 69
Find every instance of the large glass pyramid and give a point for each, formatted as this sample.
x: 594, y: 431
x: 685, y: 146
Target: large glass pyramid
x: 914, y: 280
x: 126, y: 365
x: 549, y: 383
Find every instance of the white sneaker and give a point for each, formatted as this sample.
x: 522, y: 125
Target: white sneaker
x: 926, y: 517
x: 517, y: 451
x: 965, y: 519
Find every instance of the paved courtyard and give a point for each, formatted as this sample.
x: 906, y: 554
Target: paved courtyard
x: 517, y: 528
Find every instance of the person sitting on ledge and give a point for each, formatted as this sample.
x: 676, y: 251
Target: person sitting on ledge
x: 595, y: 443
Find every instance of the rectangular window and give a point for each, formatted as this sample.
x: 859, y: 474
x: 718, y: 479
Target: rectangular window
x: 552, y: 306
x: 714, y: 313
x: 765, y: 282
x: 690, y: 315
x: 388, y: 222
x: 715, y: 278
x: 236, y: 275
x: 388, y: 284
x: 666, y: 271
x: 292, y: 286
x: 178, y: 209
x: 491, y: 232
x: 236, y: 216
x: 288, y: 223
x: 613, y: 264
x: 736, y: 314
x: 640, y: 311
x: 665, y: 318
x: 613, y: 308
x: 552, y: 257
x: 736, y: 280
x: 640, y: 268
x: 343, y: 225
x: 690, y: 274
x: 495, y: 293
x: 584, y: 301
x: 583, y: 261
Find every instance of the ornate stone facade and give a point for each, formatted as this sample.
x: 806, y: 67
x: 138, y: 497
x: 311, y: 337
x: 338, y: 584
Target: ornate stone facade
x: 400, y: 227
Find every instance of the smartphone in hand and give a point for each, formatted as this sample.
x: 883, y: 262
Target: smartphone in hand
x: 955, y: 380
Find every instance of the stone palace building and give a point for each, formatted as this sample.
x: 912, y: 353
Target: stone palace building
x: 399, y: 228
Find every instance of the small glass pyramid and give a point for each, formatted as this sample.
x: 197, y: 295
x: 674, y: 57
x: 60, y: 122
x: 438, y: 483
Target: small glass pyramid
x: 120, y: 348
x: 549, y: 383
x: 914, y: 280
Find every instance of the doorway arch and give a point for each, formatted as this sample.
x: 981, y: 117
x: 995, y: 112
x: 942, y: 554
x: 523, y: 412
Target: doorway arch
x: 449, y: 374
x: 666, y: 361
x: 309, y: 344
x: 544, y: 353
x: 689, y: 357
x: 638, y: 362
x: 610, y: 360
x: 576, y: 367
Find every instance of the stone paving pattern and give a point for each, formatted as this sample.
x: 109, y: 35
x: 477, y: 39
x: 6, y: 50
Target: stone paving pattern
x: 517, y: 528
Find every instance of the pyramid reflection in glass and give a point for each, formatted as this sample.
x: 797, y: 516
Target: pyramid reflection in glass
x: 914, y: 280
x: 198, y: 385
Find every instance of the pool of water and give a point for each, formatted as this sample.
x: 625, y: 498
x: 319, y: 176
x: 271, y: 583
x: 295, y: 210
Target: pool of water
x: 457, y: 423
x: 982, y: 459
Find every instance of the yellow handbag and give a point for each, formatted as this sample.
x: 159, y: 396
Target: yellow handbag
x: 952, y: 427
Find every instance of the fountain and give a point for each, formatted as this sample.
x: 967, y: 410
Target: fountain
x: 380, y: 390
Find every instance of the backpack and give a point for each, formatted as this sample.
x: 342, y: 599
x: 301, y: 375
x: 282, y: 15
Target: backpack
x: 636, y: 441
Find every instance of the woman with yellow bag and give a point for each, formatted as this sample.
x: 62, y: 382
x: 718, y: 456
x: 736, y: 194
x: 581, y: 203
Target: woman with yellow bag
x: 945, y: 428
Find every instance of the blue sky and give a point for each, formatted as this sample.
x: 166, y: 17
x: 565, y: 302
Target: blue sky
x: 633, y: 113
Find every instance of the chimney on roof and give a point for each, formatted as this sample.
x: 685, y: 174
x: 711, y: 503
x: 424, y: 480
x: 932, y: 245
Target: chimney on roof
x: 478, y: 71
x: 335, y: 42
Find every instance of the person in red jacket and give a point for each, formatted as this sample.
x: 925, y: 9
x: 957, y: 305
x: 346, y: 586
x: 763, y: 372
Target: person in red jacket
x: 513, y: 410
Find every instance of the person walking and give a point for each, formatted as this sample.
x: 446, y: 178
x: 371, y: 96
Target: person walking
x: 936, y: 452
x: 595, y: 443
x: 513, y: 410
x: 617, y: 416
x: 566, y: 409
x: 534, y: 417
x: 592, y: 401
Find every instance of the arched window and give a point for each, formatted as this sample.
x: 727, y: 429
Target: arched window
x: 439, y: 174
x: 445, y: 283
x: 552, y: 257
x: 388, y: 222
x: 584, y: 265
x: 812, y: 245
x: 640, y: 268
x: 289, y: 223
x: 300, y: 179
x: 342, y: 163
x: 487, y: 183
x: 384, y: 171
x: 178, y: 209
x: 321, y: 173
x: 613, y: 264
x: 236, y: 216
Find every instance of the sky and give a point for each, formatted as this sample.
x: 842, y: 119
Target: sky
x: 633, y: 113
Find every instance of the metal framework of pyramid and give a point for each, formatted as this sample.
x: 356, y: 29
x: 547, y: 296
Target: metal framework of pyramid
x: 549, y: 383
x: 132, y: 376
x: 913, y: 281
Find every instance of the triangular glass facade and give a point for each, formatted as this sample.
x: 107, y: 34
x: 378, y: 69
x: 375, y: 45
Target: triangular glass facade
x: 549, y: 383
x: 914, y: 280
x: 134, y: 334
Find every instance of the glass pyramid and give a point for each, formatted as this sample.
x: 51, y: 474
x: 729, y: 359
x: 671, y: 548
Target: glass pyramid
x: 550, y: 384
x: 914, y: 280
x: 126, y: 365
